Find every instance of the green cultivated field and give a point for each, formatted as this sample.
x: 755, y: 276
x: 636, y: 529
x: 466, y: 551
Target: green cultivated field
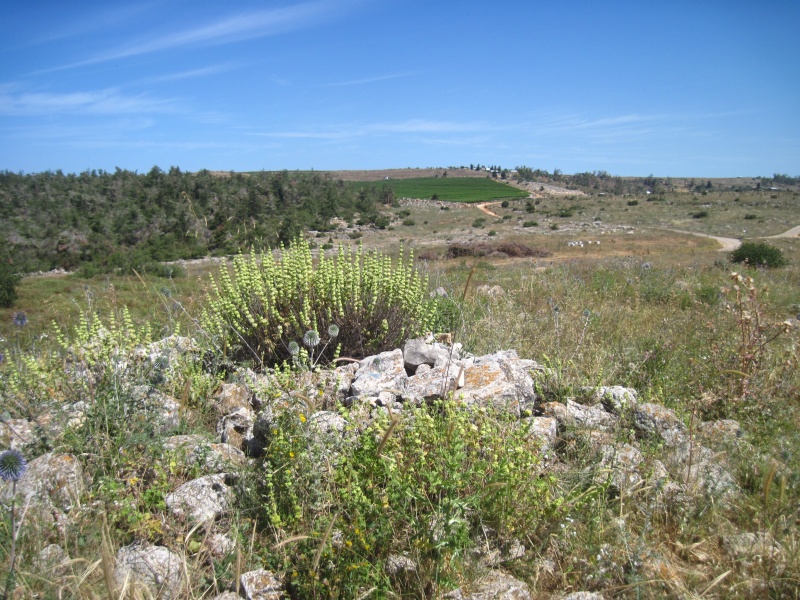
x: 456, y: 189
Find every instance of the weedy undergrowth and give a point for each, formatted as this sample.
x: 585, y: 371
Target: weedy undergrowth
x: 426, y: 486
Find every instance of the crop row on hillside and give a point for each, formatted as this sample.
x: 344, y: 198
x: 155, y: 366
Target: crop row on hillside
x: 455, y: 189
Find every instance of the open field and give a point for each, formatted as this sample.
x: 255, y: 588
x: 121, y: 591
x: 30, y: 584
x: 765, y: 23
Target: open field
x: 453, y: 189
x: 646, y: 301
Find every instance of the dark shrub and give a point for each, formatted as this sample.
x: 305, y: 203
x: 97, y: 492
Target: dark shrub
x: 8, y: 285
x: 758, y: 254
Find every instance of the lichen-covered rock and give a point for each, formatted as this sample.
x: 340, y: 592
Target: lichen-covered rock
x: 584, y: 596
x: 52, y: 481
x: 722, y: 432
x: 495, y: 586
x: 433, y: 383
x: 51, y: 559
x: 589, y: 417
x: 210, y: 457
x: 658, y: 420
x: 201, y: 499
x: 261, y: 585
x: 616, y: 398
x: 620, y: 466
x: 236, y: 428
x: 231, y: 397
x: 154, y: 567
x: 485, y: 383
x: 544, y: 429
x: 164, y: 409
x: 376, y: 374
x: 418, y: 352
x: 751, y: 550
x: 17, y: 434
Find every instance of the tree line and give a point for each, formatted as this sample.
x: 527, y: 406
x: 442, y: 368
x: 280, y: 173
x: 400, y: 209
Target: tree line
x: 98, y: 221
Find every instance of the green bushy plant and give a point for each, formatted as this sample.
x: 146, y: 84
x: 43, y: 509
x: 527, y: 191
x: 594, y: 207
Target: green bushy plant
x: 758, y: 254
x: 426, y: 485
x: 265, y: 304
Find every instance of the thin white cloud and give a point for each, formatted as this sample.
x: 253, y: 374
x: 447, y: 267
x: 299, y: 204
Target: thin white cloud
x: 102, y: 102
x: 191, y: 74
x: 411, y: 126
x: 237, y: 28
x: 366, y: 80
x: 99, y: 20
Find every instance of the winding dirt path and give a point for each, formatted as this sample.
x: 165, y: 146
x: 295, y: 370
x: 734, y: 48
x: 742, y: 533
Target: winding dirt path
x: 792, y: 233
x: 728, y: 244
x: 483, y: 206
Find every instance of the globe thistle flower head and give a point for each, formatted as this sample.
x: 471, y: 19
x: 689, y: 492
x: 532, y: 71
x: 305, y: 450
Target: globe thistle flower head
x: 333, y: 330
x: 20, y: 319
x: 294, y: 348
x: 12, y: 465
x: 311, y: 338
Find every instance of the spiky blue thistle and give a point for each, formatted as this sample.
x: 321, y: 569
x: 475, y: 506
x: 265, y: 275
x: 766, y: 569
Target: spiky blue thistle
x: 12, y: 465
x: 333, y: 330
x: 294, y: 348
x: 20, y: 319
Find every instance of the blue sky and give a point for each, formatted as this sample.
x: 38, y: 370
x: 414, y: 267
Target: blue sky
x: 680, y: 88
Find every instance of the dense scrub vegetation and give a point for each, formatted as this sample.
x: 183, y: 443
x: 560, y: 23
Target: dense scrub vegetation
x: 101, y: 221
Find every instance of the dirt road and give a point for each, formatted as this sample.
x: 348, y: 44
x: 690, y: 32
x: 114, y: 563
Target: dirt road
x: 792, y: 233
x: 483, y: 206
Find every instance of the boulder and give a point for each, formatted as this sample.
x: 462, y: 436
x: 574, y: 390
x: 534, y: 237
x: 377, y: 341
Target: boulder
x: 208, y: 456
x: 164, y: 409
x: 376, y: 374
x: 231, y: 397
x: 261, y: 585
x: 202, y: 499
x: 658, y: 420
x: 495, y: 586
x: 236, y: 428
x: 616, y: 398
x: 433, y: 382
x: 620, y: 466
x: 154, y: 567
x: 52, y: 482
x: 486, y: 383
x: 418, y: 352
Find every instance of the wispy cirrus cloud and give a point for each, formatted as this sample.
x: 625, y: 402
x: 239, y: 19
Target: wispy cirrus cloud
x: 191, y: 73
x: 235, y: 28
x: 410, y: 126
x: 92, y: 103
x: 366, y: 80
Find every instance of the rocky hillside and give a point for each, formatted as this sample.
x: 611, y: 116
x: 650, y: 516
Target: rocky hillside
x: 201, y: 508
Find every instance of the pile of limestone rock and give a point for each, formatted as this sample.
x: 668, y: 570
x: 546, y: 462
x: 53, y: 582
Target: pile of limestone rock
x: 691, y: 465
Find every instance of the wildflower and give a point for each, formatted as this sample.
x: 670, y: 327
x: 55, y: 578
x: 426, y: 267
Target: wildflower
x: 333, y: 330
x: 20, y: 319
x: 2, y: 358
x: 294, y: 348
x: 311, y: 338
x: 12, y: 465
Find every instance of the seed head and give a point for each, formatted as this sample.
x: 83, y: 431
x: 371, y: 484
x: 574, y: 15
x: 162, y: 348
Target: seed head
x: 311, y: 338
x: 12, y: 465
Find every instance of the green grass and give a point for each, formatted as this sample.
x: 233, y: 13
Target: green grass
x: 454, y: 189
